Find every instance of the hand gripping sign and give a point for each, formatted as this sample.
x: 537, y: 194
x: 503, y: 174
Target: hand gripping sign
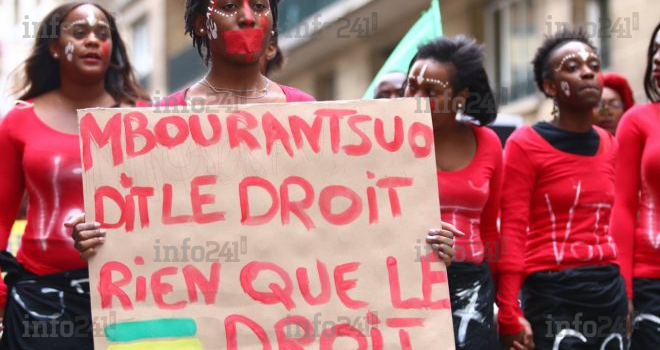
x: 273, y: 226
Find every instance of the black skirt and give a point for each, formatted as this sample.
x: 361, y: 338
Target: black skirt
x: 579, y: 308
x: 472, y: 295
x: 45, y: 312
x: 646, y: 323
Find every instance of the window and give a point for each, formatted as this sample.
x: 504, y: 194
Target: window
x: 293, y: 12
x: 142, y: 56
x: 600, y: 27
x: 512, y: 39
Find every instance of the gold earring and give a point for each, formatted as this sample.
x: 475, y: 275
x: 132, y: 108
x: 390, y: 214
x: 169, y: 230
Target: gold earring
x: 555, y: 109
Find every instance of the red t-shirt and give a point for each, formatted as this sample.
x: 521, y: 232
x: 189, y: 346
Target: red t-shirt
x: 636, y: 214
x: 470, y: 199
x: 46, y: 163
x: 179, y: 98
x: 555, y: 213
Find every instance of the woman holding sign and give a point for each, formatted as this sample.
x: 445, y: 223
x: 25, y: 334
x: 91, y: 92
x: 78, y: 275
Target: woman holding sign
x: 557, y: 196
x: 469, y: 164
x: 78, y: 61
x: 231, y: 37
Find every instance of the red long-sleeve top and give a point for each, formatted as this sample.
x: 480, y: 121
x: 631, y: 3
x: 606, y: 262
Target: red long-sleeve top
x: 555, y: 213
x: 46, y: 163
x: 636, y: 214
x: 470, y: 200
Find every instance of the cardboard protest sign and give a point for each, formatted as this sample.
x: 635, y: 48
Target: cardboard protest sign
x: 280, y: 226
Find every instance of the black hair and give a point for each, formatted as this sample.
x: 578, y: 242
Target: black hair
x: 541, y: 61
x: 467, y: 58
x: 42, y: 72
x: 651, y: 89
x: 200, y: 7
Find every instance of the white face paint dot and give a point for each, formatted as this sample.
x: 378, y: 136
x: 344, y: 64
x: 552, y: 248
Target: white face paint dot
x: 91, y: 18
x: 583, y: 53
x: 212, y: 28
x: 68, y: 51
x: 421, y: 78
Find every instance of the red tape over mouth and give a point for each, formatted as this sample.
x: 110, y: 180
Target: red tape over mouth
x: 244, y: 41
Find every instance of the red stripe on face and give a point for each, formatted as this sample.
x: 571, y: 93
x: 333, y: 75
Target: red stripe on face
x: 265, y: 24
x: 244, y: 41
x: 249, y: 16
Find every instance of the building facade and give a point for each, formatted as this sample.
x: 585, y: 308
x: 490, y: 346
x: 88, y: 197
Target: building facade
x: 333, y: 48
x: 336, y: 67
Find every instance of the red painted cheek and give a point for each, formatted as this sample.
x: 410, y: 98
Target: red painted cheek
x: 432, y: 105
x: 265, y: 24
x: 106, y: 49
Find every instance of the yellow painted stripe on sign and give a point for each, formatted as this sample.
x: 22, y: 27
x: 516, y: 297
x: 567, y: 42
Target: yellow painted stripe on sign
x: 179, y: 344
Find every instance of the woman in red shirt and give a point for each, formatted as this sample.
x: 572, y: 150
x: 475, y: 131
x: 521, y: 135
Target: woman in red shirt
x: 636, y: 214
x: 469, y: 165
x: 557, y: 194
x: 617, y: 98
x: 78, y: 61
x: 231, y: 37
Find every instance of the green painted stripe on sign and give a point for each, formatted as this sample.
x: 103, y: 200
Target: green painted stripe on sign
x: 159, y: 328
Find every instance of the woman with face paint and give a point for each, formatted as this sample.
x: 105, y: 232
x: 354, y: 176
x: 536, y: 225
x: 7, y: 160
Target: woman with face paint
x: 636, y: 214
x: 557, y: 195
x: 233, y: 36
x: 450, y: 72
x: 617, y: 98
x: 78, y: 61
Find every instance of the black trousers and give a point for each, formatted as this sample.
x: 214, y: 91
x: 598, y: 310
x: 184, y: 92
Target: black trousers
x: 472, y: 295
x: 575, y: 309
x: 46, y: 312
x: 646, y: 302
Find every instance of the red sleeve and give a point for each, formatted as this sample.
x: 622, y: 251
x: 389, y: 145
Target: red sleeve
x: 518, y: 184
x: 626, y: 201
x: 11, y: 189
x: 489, y: 233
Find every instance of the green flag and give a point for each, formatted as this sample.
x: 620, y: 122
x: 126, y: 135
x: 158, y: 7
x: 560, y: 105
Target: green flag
x: 427, y: 28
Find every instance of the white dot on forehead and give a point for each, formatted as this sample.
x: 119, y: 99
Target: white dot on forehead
x: 582, y: 53
x: 211, y: 9
x: 420, y: 79
x: 91, y: 17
